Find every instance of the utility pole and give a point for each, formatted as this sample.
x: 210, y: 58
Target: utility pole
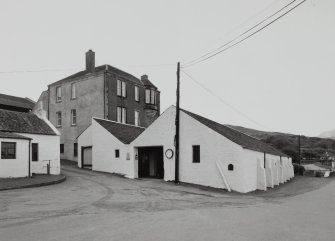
x: 299, y: 150
x: 176, y: 179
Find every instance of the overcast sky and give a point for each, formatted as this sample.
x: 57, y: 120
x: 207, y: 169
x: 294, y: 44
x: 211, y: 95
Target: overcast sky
x: 282, y: 78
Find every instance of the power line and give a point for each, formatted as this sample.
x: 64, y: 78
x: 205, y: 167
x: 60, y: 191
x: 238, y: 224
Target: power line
x: 33, y: 71
x: 214, y: 53
x: 240, y: 35
x: 223, y: 101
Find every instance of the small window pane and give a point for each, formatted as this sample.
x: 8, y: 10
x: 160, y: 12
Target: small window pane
x: 34, y: 152
x: 137, y: 116
x: 124, y: 90
x: 124, y: 115
x: 118, y: 114
x: 117, y: 153
x: 75, y: 149
x: 73, y: 91
x: 230, y: 167
x: 137, y: 94
x: 153, y: 97
x: 59, y: 118
x: 8, y: 150
x: 196, y: 154
x: 61, y: 148
x: 119, y: 87
x: 58, y: 94
x: 147, y: 96
x: 73, y: 117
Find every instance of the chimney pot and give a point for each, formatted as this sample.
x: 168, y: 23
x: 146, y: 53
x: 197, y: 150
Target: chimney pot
x: 90, y: 61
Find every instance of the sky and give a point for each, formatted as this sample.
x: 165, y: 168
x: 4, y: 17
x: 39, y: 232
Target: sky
x: 281, y: 79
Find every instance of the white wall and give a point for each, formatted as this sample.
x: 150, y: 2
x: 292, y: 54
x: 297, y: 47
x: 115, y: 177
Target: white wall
x: 16, y: 167
x: 103, y: 153
x: 48, y: 149
x: 213, y: 148
x: 84, y: 140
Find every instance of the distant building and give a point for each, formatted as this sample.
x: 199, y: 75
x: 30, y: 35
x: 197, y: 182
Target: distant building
x: 27, y: 144
x: 211, y: 154
x: 103, y: 92
x: 8, y: 102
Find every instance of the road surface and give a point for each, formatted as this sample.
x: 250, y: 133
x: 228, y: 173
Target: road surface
x: 98, y: 206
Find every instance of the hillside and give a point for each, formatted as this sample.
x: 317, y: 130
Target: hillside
x: 328, y: 134
x: 311, y: 147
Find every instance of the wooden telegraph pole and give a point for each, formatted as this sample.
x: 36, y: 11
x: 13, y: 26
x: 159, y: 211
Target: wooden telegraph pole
x: 177, y: 127
x: 299, y: 150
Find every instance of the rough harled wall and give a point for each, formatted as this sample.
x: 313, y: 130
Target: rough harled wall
x: 41, y: 107
x: 89, y: 102
x: 48, y: 149
x: 84, y: 140
x: 214, y: 148
x: 103, y: 156
x: 159, y: 133
x: 17, y: 167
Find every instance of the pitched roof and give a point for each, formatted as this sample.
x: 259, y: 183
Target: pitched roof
x: 237, y: 137
x: 16, y: 101
x: 12, y: 136
x: 124, y: 132
x: 101, y: 68
x: 12, y: 121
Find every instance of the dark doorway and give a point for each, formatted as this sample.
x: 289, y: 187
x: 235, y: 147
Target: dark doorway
x: 150, y: 162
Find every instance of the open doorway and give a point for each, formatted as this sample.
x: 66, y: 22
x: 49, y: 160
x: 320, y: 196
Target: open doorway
x: 150, y: 162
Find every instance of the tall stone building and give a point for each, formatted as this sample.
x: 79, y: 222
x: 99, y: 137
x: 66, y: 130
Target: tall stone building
x: 103, y: 92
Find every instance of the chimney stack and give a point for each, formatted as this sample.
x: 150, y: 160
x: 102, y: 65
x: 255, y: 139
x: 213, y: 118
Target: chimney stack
x: 144, y: 77
x: 90, y: 61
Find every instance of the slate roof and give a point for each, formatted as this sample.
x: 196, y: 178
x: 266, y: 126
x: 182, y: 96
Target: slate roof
x: 237, y: 137
x: 12, y: 136
x: 16, y: 101
x: 124, y: 132
x: 102, y: 68
x: 12, y: 121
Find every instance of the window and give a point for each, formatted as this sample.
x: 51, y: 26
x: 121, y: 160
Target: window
x: 153, y: 97
x: 58, y: 94
x: 61, y: 148
x: 230, y: 167
x: 137, y: 94
x: 121, y: 88
x: 59, y: 118
x: 8, y: 150
x: 121, y: 115
x: 75, y: 149
x: 196, y: 154
x: 147, y: 96
x: 34, y: 152
x: 137, y: 118
x: 73, y: 117
x: 73, y: 91
x: 117, y: 153
x: 150, y: 96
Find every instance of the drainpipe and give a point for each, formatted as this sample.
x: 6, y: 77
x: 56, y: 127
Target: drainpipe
x: 29, y: 158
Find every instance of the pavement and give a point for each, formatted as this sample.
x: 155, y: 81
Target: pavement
x: 100, y: 206
x: 34, y: 181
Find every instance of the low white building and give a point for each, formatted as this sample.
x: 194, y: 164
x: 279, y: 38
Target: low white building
x: 211, y: 154
x: 28, y: 144
x: 104, y: 146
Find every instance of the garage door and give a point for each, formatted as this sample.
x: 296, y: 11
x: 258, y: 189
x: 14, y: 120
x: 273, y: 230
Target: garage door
x: 87, y: 156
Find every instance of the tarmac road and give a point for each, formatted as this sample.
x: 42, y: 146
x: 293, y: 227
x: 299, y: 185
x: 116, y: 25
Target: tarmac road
x: 98, y: 206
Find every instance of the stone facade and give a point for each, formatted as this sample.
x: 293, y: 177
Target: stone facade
x: 95, y: 96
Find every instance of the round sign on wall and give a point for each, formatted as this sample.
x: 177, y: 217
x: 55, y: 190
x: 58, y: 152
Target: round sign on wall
x: 169, y: 153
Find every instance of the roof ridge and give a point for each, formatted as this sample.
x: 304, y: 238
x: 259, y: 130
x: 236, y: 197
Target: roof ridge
x: 118, y: 122
x: 275, y: 150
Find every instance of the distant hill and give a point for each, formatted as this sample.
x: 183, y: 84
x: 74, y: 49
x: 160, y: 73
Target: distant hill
x: 328, y: 134
x: 311, y: 147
